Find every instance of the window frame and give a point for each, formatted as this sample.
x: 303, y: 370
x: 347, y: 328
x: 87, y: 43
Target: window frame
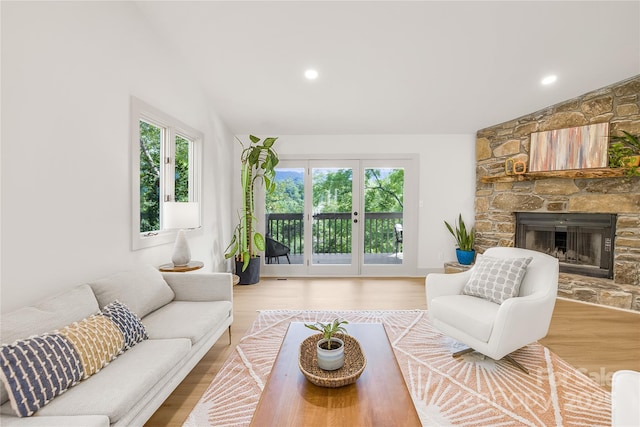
x: 173, y: 127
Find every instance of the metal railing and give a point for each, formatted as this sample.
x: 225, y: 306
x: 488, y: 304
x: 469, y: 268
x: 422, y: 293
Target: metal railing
x: 331, y: 231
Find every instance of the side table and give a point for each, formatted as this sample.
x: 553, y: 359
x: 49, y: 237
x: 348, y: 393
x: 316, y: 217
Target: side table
x: 193, y: 265
x: 454, y: 267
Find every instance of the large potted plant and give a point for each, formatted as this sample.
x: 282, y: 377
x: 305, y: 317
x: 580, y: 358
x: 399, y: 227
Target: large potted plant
x: 258, y: 161
x: 465, y: 240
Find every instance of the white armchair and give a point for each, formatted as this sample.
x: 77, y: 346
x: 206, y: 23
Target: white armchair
x: 496, y: 330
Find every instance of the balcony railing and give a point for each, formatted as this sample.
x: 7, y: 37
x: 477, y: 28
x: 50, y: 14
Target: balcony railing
x: 332, y: 231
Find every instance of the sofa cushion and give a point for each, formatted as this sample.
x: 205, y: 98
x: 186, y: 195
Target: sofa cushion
x: 116, y: 389
x: 129, y: 324
x: 142, y: 290
x: 473, y: 315
x: 37, y: 369
x: 186, y: 319
x: 496, y: 279
x: 47, y: 315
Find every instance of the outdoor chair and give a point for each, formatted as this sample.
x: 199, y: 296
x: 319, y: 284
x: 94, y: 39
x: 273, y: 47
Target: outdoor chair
x: 490, y: 327
x: 275, y: 249
x: 398, y: 231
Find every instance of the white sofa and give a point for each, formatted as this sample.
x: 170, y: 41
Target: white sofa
x: 184, y: 314
x: 625, y: 399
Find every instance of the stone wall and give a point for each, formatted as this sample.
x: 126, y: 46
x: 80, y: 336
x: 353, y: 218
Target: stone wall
x: 496, y: 202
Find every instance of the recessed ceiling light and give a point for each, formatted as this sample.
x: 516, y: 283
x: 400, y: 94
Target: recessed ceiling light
x: 549, y: 79
x: 311, y: 74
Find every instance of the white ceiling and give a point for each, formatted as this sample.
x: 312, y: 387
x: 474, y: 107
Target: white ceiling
x: 396, y: 67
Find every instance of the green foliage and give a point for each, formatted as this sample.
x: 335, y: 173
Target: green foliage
x: 258, y: 163
x: 464, y: 239
x: 328, y: 329
x: 150, y: 145
x: 182, y: 170
x: 150, y: 166
x: 384, y: 192
x: 288, y: 197
x: 332, y: 190
x: 623, y: 147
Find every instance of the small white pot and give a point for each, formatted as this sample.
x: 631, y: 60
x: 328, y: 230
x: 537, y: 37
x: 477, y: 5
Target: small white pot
x: 333, y: 359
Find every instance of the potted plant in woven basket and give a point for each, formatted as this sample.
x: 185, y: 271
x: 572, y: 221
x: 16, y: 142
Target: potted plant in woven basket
x: 330, y: 349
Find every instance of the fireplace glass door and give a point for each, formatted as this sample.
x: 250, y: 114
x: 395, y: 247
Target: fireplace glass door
x: 582, y: 243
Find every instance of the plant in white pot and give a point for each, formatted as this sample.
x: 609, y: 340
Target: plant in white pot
x: 258, y: 162
x: 330, y: 349
x: 465, y: 241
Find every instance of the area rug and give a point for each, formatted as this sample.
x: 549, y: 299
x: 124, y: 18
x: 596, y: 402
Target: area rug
x: 470, y: 390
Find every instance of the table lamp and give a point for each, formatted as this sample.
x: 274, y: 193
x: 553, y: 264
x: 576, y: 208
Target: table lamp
x: 181, y: 216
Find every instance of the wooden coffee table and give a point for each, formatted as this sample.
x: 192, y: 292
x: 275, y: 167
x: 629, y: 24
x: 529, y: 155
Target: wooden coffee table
x: 378, y: 398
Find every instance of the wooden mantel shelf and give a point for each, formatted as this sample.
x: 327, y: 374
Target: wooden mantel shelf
x: 573, y: 173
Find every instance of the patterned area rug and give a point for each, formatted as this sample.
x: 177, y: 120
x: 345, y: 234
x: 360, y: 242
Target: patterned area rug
x: 470, y: 390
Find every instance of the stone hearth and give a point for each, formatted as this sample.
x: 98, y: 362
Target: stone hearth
x: 497, y: 202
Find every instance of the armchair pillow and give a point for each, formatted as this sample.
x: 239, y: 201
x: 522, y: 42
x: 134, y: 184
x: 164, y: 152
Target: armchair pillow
x: 496, y: 279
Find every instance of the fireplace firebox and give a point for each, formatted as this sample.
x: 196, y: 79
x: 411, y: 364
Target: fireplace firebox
x: 583, y: 243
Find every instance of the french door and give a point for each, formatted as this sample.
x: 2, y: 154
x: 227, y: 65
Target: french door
x: 334, y: 217
x: 341, y: 218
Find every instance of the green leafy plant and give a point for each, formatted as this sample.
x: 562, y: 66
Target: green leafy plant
x: 258, y: 163
x: 622, y: 148
x: 465, y: 239
x: 328, y: 329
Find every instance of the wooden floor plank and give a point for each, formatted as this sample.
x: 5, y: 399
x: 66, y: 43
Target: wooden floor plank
x: 596, y: 340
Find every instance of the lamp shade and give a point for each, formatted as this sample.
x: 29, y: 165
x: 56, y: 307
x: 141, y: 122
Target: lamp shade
x: 181, y: 215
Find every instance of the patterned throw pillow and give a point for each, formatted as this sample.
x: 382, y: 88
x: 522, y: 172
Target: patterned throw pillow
x: 97, y: 341
x: 128, y: 323
x: 37, y: 369
x: 496, y: 279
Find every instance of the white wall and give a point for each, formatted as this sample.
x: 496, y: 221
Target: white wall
x: 446, y: 184
x: 68, y: 71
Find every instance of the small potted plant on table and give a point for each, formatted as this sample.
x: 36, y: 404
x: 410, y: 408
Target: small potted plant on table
x: 330, y: 349
x: 465, y: 240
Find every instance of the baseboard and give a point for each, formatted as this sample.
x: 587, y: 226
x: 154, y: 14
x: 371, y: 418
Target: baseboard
x: 599, y: 305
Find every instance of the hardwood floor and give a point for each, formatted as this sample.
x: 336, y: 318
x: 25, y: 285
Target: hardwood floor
x: 596, y: 340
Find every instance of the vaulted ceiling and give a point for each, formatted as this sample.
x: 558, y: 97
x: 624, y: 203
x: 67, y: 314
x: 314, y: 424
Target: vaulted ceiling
x: 395, y: 67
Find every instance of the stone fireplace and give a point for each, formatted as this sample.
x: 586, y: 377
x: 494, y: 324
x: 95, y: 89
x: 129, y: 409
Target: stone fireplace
x: 615, y: 281
x: 582, y: 243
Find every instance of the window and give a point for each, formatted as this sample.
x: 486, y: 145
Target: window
x: 165, y: 167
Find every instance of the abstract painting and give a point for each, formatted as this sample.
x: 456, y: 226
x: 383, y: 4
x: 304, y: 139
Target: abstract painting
x: 582, y: 147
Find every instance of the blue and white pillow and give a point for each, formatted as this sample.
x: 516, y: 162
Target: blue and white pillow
x: 37, y: 369
x: 128, y: 323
